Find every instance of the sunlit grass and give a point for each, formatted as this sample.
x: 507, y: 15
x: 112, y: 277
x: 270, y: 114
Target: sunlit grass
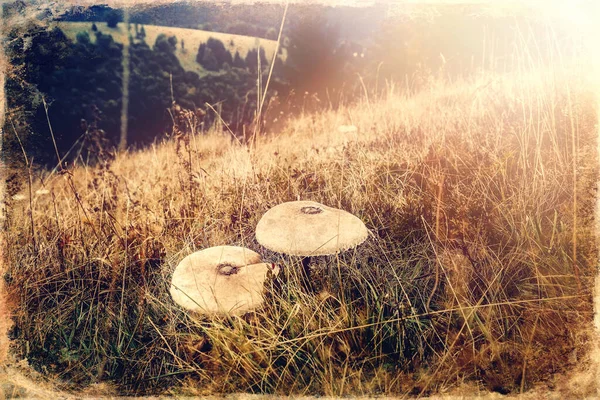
x: 480, y: 199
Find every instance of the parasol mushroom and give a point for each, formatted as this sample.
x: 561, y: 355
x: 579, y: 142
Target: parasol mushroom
x: 307, y: 229
x: 221, y: 280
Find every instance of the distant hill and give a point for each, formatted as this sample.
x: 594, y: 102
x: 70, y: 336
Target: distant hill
x: 192, y: 39
x: 259, y: 19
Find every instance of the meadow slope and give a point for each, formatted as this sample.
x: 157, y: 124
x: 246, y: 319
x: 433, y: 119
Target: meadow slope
x: 192, y: 39
x: 479, y: 196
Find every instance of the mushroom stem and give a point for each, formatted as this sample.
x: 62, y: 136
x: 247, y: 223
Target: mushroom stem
x: 306, y: 272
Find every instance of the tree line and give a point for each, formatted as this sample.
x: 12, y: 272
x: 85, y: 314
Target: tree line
x: 75, y: 85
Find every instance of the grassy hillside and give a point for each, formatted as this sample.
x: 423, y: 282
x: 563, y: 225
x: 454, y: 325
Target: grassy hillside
x: 479, y: 196
x: 192, y: 40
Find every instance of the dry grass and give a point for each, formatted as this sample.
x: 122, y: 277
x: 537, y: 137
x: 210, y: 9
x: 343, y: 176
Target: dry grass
x: 4, y: 307
x: 5, y: 323
x: 480, y: 198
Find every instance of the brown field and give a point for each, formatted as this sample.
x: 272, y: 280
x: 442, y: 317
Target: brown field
x: 479, y: 196
x: 477, y: 277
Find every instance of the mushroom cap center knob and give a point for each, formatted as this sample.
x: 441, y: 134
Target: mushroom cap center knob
x: 227, y: 269
x: 311, y: 210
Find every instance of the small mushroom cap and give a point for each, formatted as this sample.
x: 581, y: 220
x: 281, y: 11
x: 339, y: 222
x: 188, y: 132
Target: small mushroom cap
x: 220, y: 280
x: 308, y: 228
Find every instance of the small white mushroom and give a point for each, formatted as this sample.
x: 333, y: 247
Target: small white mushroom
x: 308, y: 228
x: 221, y: 280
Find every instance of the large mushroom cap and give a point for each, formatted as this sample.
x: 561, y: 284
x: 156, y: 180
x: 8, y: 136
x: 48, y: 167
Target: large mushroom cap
x: 308, y: 228
x: 220, y: 280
